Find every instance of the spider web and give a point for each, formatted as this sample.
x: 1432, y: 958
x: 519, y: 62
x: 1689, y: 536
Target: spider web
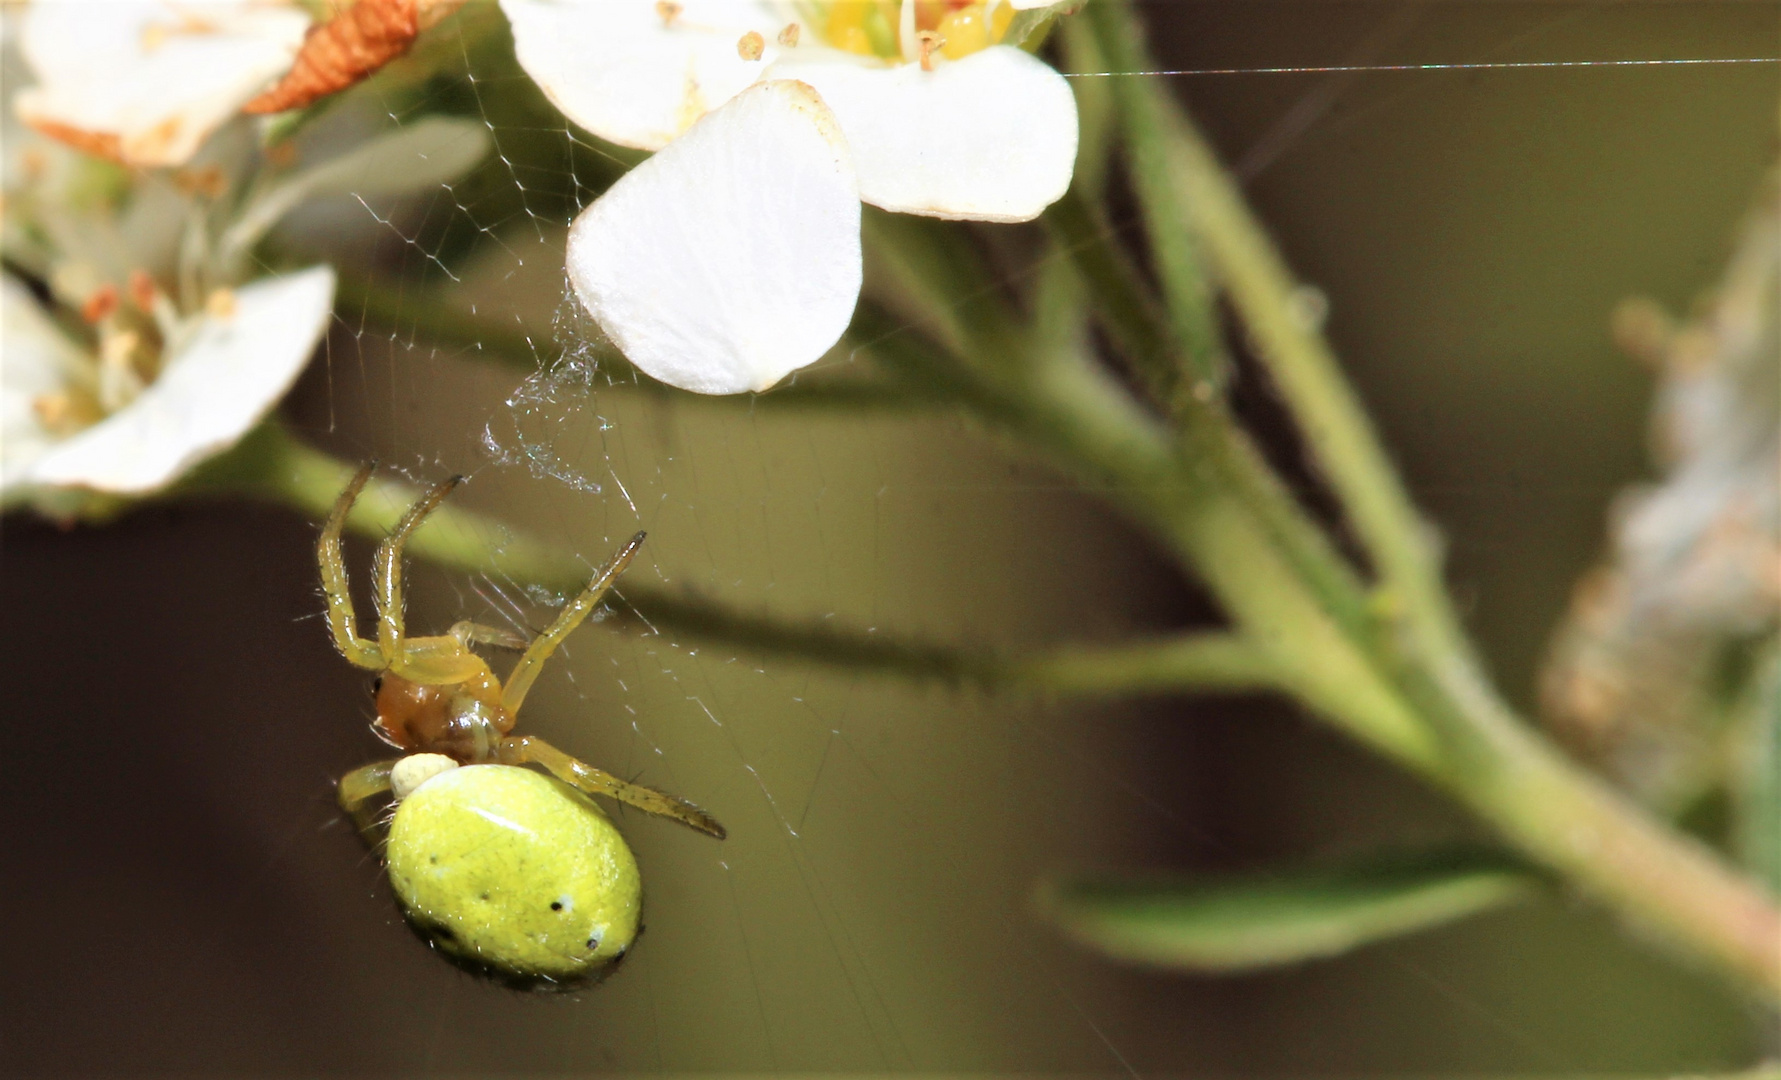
x: 872, y: 909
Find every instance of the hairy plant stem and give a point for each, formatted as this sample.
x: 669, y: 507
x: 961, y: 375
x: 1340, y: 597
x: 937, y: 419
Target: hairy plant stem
x: 272, y: 465
x: 1413, y: 688
x: 1147, y: 120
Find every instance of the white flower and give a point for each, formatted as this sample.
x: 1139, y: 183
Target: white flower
x: 131, y: 416
x: 144, y: 82
x: 724, y: 265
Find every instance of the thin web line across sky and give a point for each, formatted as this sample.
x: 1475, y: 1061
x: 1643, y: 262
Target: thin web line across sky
x: 1504, y: 65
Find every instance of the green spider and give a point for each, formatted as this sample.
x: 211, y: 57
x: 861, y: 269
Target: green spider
x: 505, y: 870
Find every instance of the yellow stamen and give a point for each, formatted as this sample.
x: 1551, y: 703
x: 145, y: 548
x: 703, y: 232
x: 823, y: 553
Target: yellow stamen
x: 208, y: 181
x: 142, y: 290
x: 847, y: 26
x: 282, y: 155
x: 750, y: 46
x: 967, y: 30
x: 668, y: 11
x: 100, y: 304
x: 220, y: 304
x: 119, y: 381
x: 789, y: 36
x: 66, y: 412
x: 1000, y: 19
x: 928, y: 42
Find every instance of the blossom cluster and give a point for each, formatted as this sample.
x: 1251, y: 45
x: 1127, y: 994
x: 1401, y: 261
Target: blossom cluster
x: 137, y: 346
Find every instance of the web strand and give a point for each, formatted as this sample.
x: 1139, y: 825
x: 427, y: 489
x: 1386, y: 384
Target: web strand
x: 1502, y: 65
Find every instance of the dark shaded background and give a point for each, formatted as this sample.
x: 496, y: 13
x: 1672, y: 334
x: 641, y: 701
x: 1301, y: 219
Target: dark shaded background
x: 182, y: 898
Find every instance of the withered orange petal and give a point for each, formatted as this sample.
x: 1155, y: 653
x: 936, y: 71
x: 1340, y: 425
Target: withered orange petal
x: 342, y: 51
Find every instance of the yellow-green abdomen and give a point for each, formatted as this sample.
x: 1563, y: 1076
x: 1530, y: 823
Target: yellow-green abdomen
x: 512, y: 871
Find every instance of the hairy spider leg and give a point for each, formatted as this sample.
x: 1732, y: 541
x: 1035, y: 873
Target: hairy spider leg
x: 473, y: 633
x: 524, y: 749
x: 386, y: 569
x: 343, y: 622
x: 356, y: 791
x: 438, y: 660
x: 525, y: 672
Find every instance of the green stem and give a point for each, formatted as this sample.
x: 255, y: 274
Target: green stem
x: 1178, y: 163
x: 271, y: 465
x: 1145, y: 112
x: 1209, y: 434
x: 1092, y: 427
x: 1201, y: 661
x: 1483, y: 753
x: 1575, y: 823
x: 1125, y: 306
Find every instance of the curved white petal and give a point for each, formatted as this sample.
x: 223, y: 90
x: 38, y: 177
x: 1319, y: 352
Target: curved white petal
x: 218, y: 387
x: 731, y: 258
x: 36, y: 359
x: 147, y: 81
x: 621, y: 71
x: 991, y: 137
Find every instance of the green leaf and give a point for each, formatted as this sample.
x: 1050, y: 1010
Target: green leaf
x: 432, y: 151
x: 1236, y: 923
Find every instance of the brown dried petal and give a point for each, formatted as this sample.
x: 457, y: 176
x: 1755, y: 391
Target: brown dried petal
x: 347, y: 48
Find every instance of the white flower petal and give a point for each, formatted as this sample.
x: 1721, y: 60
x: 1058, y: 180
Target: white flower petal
x: 991, y: 137
x: 217, y: 388
x: 619, y: 70
x: 146, y: 82
x: 731, y: 258
x: 35, y: 360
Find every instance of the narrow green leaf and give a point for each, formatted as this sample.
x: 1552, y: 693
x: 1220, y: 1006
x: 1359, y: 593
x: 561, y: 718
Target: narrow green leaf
x: 1244, y: 922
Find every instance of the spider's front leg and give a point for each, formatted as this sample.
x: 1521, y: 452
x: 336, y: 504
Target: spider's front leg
x: 386, y: 569
x: 525, y: 672
x: 432, y: 661
x: 523, y: 749
x: 343, y: 621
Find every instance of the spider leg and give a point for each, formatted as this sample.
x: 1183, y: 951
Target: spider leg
x: 356, y: 791
x: 523, y: 749
x: 473, y: 633
x: 386, y: 569
x: 343, y: 622
x: 525, y: 672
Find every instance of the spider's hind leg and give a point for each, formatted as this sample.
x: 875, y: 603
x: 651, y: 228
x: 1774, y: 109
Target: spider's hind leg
x: 523, y: 749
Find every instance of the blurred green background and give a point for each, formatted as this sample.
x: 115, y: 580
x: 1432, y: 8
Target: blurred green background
x: 183, y: 898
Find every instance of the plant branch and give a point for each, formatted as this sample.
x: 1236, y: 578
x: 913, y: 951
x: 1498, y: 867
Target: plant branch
x: 1184, y: 167
x: 1147, y: 119
x: 1483, y: 753
x: 273, y: 465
